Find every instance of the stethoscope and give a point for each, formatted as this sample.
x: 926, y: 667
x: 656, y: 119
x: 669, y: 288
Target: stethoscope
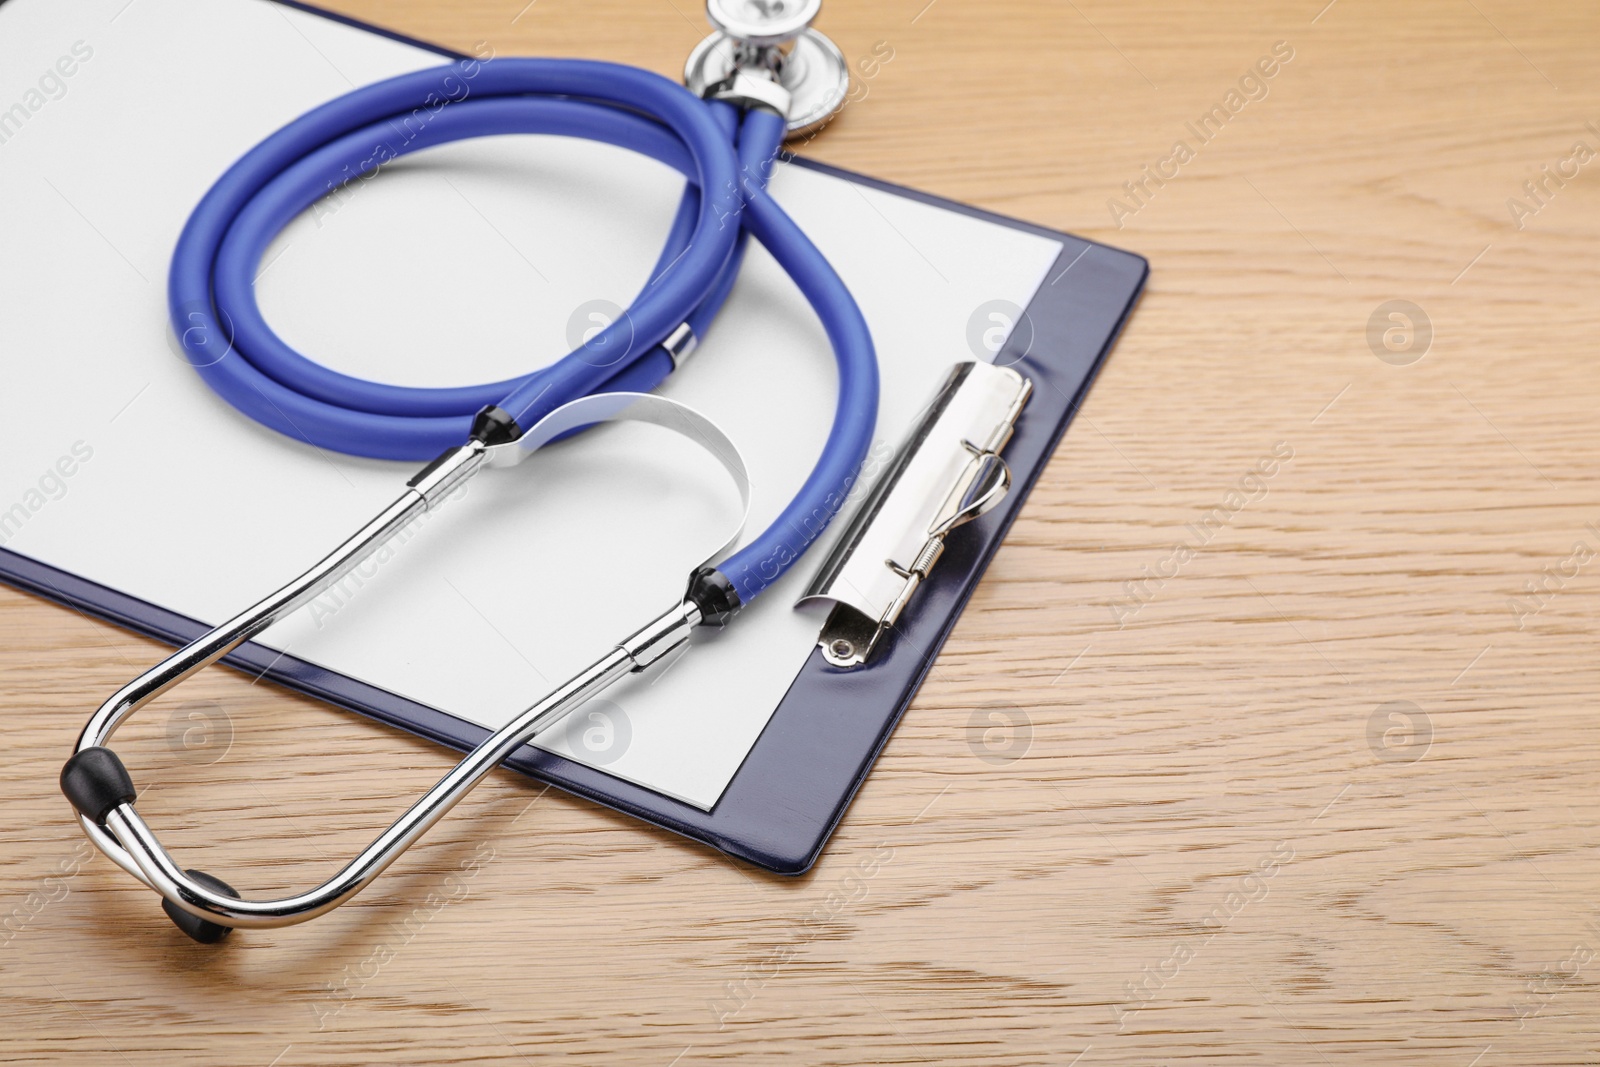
x: 763, y: 76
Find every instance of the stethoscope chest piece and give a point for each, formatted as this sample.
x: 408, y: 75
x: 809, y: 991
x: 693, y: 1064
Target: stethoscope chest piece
x: 773, y: 38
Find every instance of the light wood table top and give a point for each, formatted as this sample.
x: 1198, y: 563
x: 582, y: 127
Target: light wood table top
x: 1319, y: 785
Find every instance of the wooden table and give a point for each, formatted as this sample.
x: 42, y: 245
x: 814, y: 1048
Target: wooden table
x: 1323, y: 786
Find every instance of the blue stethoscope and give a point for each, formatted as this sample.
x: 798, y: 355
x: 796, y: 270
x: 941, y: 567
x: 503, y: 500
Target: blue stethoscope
x: 763, y: 75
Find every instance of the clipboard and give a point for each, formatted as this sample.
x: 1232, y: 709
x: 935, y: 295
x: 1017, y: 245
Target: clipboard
x: 800, y: 776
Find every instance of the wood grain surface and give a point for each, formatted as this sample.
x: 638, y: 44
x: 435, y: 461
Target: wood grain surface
x: 1270, y: 737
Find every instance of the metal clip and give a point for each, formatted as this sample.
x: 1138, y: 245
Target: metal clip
x: 947, y: 472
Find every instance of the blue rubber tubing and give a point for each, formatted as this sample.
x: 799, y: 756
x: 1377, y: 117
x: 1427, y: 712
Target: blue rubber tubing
x: 726, y: 159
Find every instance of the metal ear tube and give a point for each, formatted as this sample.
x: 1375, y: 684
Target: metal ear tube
x: 206, y: 908
x: 124, y: 835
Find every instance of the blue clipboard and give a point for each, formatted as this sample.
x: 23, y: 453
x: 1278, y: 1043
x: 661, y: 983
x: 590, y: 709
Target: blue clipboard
x: 820, y: 743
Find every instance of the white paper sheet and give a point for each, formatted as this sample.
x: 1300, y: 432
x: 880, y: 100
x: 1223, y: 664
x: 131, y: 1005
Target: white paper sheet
x: 461, y: 264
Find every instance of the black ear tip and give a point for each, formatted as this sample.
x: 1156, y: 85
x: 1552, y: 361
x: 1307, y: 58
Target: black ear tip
x: 202, y: 930
x: 95, y: 781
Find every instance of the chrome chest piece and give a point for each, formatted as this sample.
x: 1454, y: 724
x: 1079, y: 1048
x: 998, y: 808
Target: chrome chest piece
x: 765, y: 53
